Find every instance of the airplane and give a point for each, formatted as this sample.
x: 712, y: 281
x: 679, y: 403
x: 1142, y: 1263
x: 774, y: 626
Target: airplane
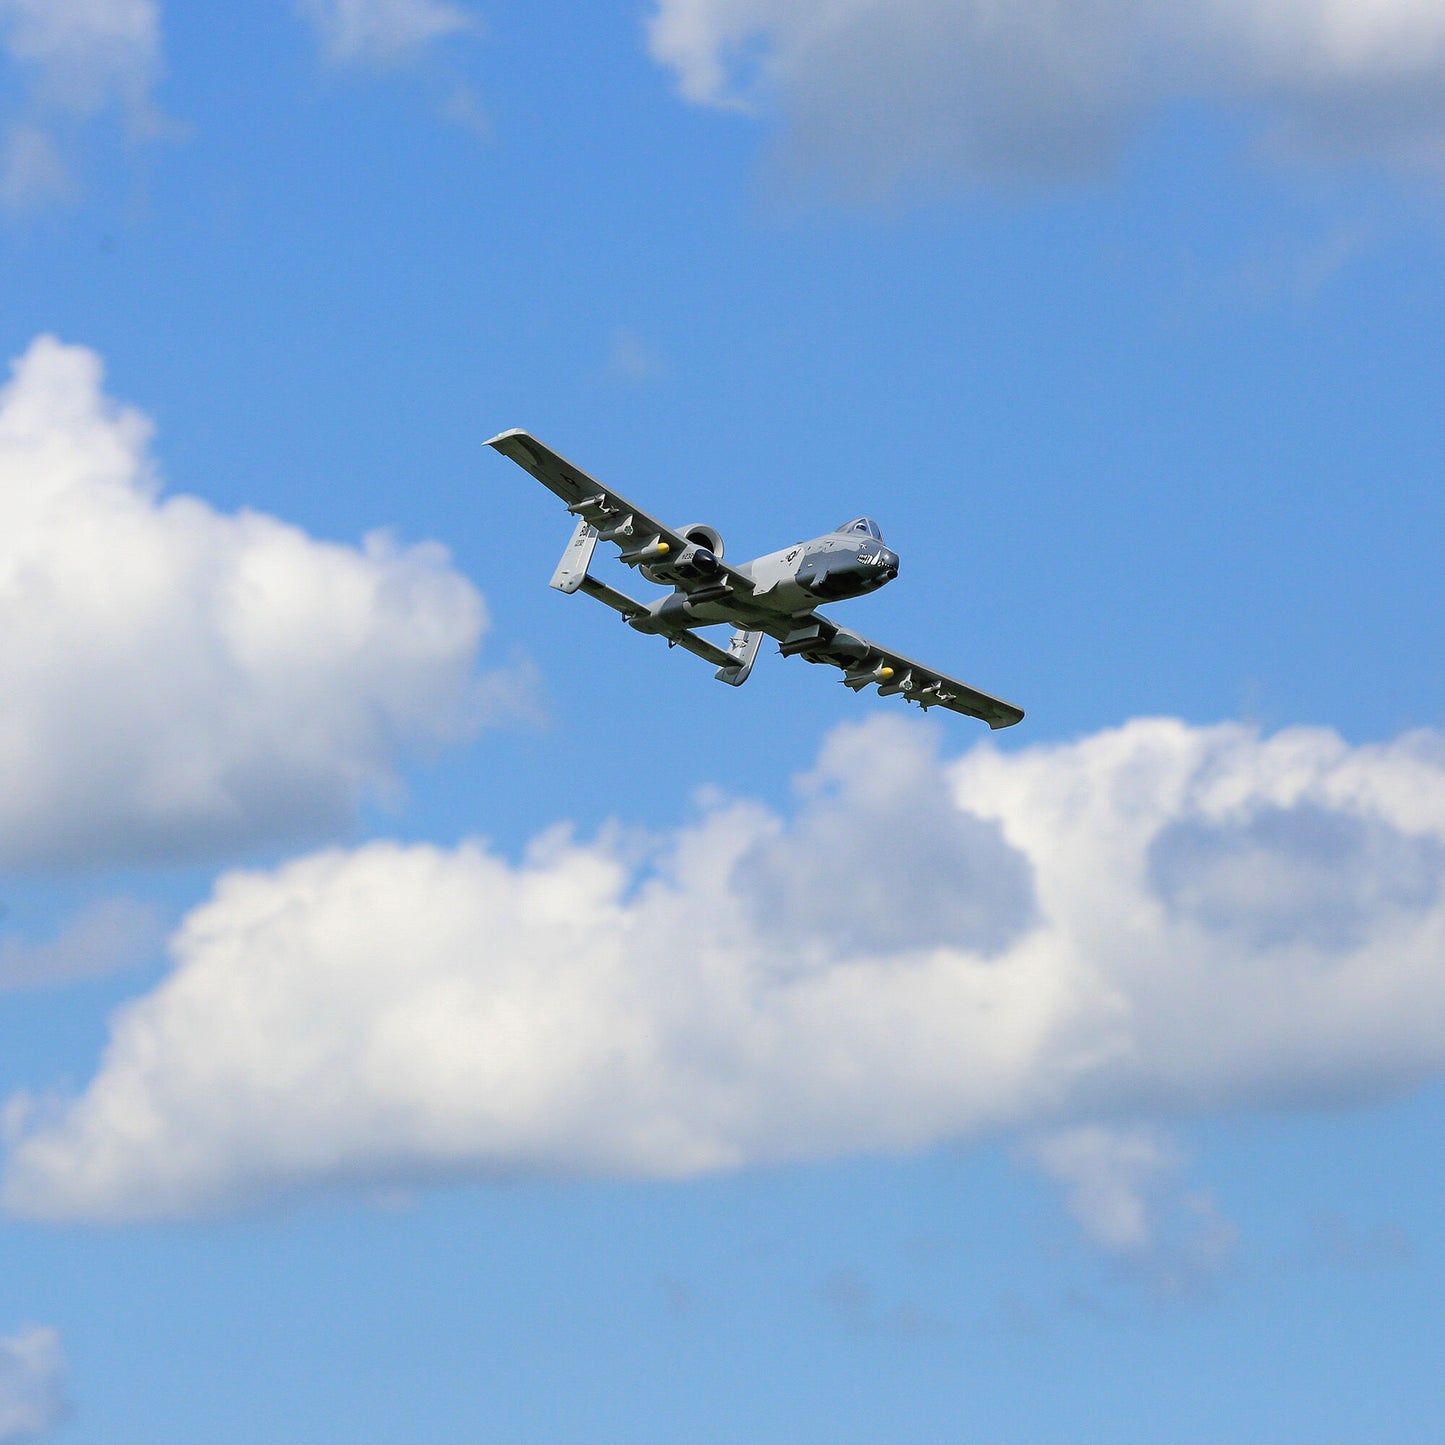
x: 776, y: 595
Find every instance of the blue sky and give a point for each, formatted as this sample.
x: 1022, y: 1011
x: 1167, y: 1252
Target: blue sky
x: 431, y: 1011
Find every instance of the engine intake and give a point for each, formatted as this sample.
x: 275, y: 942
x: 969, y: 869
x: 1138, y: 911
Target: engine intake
x: 695, y: 563
x: 701, y: 535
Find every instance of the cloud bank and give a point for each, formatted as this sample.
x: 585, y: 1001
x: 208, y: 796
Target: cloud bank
x: 31, y: 1374
x: 180, y: 683
x: 74, y: 59
x: 1125, y: 926
x: 876, y: 94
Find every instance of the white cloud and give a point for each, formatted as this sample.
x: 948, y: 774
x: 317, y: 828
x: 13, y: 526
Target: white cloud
x: 83, y: 55
x: 74, y: 59
x: 32, y: 170
x: 1106, y: 1173
x: 381, y: 32
x: 31, y: 1373
x: 1125, y: 1190
x: 393, y: 1014
x: 881, y: 91
x: 180, y: 682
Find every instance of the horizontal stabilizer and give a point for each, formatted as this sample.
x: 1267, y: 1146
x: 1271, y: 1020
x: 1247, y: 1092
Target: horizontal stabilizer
x: 629, y: 607
x: 700, y: 647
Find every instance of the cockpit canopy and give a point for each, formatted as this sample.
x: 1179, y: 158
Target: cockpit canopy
x: 862, y: 527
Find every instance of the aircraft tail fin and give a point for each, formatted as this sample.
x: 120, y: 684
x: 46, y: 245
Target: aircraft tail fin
x: 742, y: 653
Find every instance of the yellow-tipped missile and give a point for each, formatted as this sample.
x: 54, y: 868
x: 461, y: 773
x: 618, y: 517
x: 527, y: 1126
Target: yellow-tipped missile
x: 892, y: 684
x: 654, y: 551
x: 861, y: 677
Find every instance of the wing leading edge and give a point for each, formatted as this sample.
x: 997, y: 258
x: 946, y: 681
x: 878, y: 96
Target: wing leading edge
x: 863, y: 662
x: 639, y: 536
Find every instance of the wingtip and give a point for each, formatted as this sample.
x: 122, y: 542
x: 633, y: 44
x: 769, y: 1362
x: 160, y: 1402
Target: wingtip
x: 521, y: 447
x: 503, y: 436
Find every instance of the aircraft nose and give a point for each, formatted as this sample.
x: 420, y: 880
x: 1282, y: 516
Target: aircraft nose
x: 890, y: 565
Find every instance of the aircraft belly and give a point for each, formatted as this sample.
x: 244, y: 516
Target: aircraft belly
x: 786, y: 598
x: 704, y: 614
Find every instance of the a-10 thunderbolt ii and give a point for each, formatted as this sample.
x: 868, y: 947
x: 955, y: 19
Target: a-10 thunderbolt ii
x: 777, y: 594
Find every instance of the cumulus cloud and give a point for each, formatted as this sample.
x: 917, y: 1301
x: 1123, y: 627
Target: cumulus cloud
x: 382, y: 32
x: 31, y: 1375
x: 75, y: 59
x: 397, y: 1014
x: 180, y: 682
x: 845, y: 877
x: 1125, y: 1189
x: 876, y: 93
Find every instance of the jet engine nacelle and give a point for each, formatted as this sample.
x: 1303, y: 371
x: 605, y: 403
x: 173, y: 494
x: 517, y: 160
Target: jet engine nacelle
x: 704, y: 536
x: 842, y: 649
x: 697, y: 560
x: 818, y: 640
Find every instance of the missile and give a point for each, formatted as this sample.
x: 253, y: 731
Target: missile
x: 888, y: 686
x: 862, y: 676
x: 654, y: 551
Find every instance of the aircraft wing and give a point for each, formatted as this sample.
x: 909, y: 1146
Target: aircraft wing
x: 636, y: 533
x: 926, y: 686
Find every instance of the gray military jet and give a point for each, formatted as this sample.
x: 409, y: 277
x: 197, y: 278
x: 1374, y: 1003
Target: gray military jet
x: 777, y: 594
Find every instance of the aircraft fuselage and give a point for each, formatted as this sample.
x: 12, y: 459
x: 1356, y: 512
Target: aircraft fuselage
x: 787, y: 584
